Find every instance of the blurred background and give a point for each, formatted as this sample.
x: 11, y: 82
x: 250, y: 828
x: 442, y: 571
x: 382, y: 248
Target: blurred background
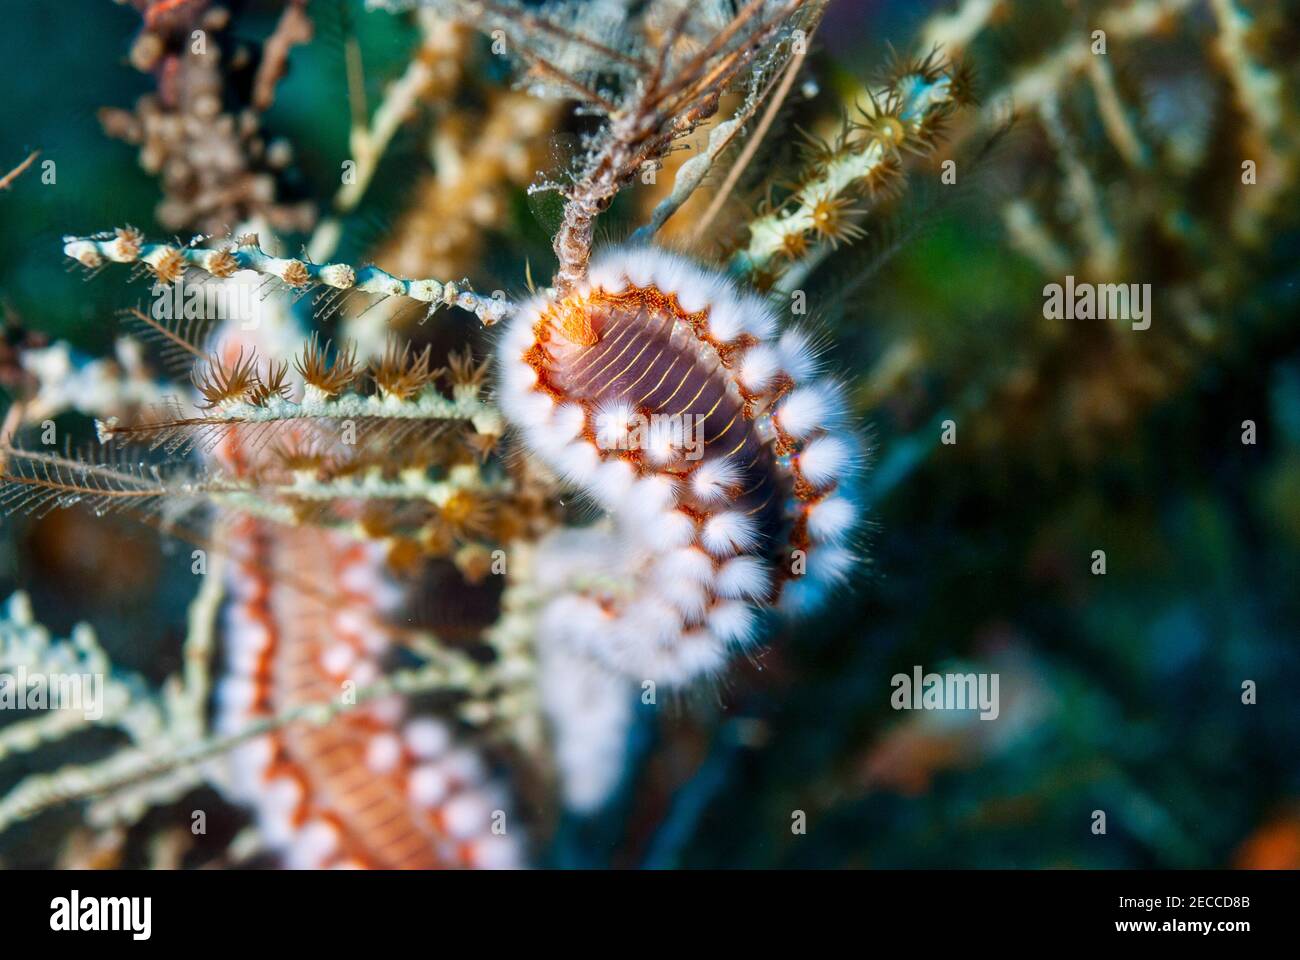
x: 1120, y: 692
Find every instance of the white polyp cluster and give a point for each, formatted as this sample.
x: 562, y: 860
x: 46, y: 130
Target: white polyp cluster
x: 682, y: 575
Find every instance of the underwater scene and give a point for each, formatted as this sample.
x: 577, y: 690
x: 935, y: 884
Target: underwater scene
x: 746, y: 434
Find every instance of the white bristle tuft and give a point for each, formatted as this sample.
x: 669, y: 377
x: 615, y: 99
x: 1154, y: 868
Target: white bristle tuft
x: 639, y: 267
x: 650, y: 620
x: 798, y: 355
x: 691, y: 565
x: 743, y: 578
x: 464, y: 766
x: 578, y: 462
x: 726, y: 319
x: 729, y: 532
x: 668, y: 530
x: 567, y: 421
x: 832, y: 519
x: 759, y: 367
x: 496, y: 852
x: 825, y: 460
x: 313, y: 844
x: 467, y: 814
x: 613, y: 482
x: 428, y: 785
x: 700, y: 654
x: 427, y: 738
x: 714, y: 480
x: 760, y: 319
x: 651, y: 496
x: 663, y: 441
x: 690, y: 600
x: 809, y: 408
x: 695, y: 290
x: 608, y: 276
x: 612, y: 424
x: 534, y: 410
x: 830, y: 564
x: 732, y: 622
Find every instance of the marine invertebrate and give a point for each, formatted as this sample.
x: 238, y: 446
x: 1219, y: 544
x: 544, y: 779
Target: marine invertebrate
x: 675, y: 402
x: 373, y: 788
x: 665, y: 389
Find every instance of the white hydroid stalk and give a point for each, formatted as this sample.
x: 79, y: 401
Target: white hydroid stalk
x: 170, y: 262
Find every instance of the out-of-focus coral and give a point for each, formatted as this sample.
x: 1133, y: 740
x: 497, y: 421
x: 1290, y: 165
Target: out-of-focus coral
x: 216, y: 167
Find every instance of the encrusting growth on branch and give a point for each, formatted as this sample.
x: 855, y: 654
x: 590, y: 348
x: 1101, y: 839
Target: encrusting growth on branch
x: 169, y: 263
x: 865, y: 161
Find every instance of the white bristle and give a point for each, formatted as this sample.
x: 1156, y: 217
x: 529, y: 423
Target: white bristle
x: 236, y: 695
x: 640, y: 268
x: 250, y: 760
x: 714, y: 480
x: 760, y: 319
x: 363, y: 673
x: 665, y: 531
x: 567, y: 420
x: 695, y: 291
x: 651, y: 496
x: 316, y: 841
x: 726, y: 319
x: 759, y: 367
x: 690, y: 564
x: 427, y: 738
x: 731, y: 622
x: 428, y: 785
x: 578, y: 462
x: 612, y: 423
x: 533, y: 410
x: 830, y: 564
x: 467, y: 814
x: 798, y: 356
x: 649, y: 621
x: 608, y: 276
x: 825, y: 460
x: 464, y: 766
x: 729, y: 532
x: 492, y: 852
x: 743, y: 578
x: 518, y: 334
x: 832, y: 519
x: 383, y: 752
x: 613, y: 482
x: 575, y: 618
x: 386, y: 710
x: 280, y: 801
x: 663, y: 441
x: 808, y: 408
x: 700, y: 653
x: 688, y: 599
x: 338, y: 658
